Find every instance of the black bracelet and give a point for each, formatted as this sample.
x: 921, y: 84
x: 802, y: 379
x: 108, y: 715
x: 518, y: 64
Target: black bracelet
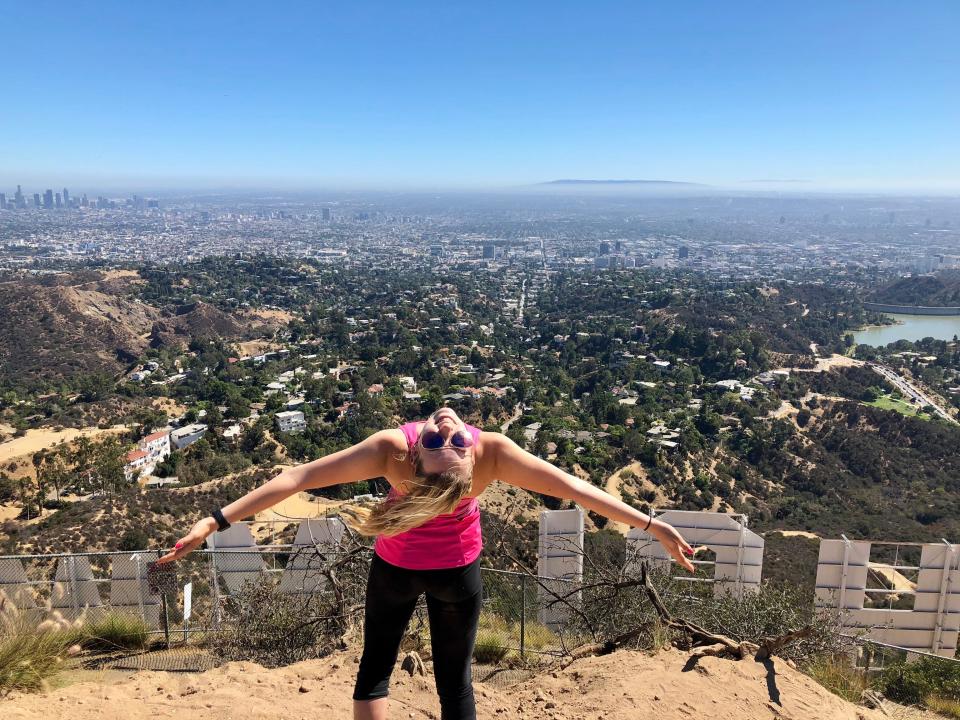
x: 222, y: 523
x: 650, y: 516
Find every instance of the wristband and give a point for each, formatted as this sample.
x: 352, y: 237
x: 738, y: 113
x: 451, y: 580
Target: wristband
x: 648, y: 522
x: 222, y: 523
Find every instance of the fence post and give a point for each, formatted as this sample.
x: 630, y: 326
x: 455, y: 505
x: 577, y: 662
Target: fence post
x: 523, y: 614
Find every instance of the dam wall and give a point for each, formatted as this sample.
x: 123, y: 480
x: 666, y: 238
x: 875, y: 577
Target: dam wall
x: 911, y: 309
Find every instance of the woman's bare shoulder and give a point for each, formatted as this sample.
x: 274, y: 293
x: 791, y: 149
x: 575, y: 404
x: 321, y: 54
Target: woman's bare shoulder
x: 490, y: 445
x: 391, y: 440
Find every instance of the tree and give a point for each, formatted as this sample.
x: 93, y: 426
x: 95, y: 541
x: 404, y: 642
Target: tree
x: 40, y: 476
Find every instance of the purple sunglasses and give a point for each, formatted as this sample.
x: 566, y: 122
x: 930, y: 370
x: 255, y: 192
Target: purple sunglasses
x: 432, y: 440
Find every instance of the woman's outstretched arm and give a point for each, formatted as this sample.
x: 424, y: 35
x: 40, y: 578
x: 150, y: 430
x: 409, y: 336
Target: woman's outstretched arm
x: 514, y: 465
x: 367, y: 459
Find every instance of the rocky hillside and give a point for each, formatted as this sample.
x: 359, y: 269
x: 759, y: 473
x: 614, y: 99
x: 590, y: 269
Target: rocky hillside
x: 54, y: 330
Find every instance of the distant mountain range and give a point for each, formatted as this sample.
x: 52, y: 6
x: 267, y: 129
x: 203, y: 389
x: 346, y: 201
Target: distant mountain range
x: 670, y: 183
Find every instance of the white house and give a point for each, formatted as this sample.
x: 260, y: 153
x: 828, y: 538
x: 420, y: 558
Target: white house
x: 187, y: 435
x: 136, y: 463
x: 156, y: 445
x: 291, y: 421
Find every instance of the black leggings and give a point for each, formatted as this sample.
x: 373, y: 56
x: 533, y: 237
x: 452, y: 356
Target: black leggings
x: 454, y: 596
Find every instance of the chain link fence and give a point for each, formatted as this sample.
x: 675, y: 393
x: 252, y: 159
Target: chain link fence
x: 223, y: 604
x: 282, y: 603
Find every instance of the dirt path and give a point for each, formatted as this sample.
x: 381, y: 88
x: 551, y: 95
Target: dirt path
x: 298, y: 507
x: 612, y: 486
x: 517, y: 414
x: 624, y: 685
x: 613, y: 483
x: 828, y: 363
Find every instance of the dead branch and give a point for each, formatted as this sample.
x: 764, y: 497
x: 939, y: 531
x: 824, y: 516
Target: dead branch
x: 702, y: 642
x: 770, y: 645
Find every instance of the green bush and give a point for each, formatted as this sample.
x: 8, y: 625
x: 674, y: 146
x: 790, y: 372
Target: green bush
x: 490, y: 647
x: 115, y: 631
x: 912, y: 683
x: 134, y: 538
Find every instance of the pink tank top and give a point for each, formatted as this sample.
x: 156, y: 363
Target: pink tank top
x: 445, y: 541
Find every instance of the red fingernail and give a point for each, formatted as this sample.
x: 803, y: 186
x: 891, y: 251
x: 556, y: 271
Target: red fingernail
x: 178, y: 546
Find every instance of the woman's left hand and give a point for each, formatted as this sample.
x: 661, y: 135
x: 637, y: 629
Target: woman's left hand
x: 674, y: 543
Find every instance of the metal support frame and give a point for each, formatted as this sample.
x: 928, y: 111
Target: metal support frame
x: 946, y: 583
x: 843, y: 575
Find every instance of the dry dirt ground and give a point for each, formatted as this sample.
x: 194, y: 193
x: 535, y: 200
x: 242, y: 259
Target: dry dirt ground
x: 625, y: 685
x: 40, y: 439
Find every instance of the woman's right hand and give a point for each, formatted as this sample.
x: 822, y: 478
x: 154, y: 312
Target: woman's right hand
x: 191, y: 541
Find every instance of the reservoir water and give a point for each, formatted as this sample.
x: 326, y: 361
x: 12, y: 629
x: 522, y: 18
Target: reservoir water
x: 909, y: 327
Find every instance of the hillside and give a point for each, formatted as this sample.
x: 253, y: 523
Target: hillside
x: 152, y: 519
x: 53, y: 330
x: 621, y: 686
x: 940, y: 290
x: 50, y: 333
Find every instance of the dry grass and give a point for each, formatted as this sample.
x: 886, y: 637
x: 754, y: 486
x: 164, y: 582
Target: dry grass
x: 839, y: 676
x: 32, y: 655
x: 944, y: 706
x: 30, y: 659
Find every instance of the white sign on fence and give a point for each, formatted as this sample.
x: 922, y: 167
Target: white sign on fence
x: 934, y: 623
x: 316, y: 538
x: 739, y: 551
x: 560, y: 555
x: 187, y: 600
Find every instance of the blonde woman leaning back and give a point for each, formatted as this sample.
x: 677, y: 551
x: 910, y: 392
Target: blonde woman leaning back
x: 427, y: 539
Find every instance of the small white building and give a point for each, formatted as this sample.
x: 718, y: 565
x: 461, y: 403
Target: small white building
x: 135, y: 464
x: 291, y: 421
x: 156, y: 445
x: 273, y: 388
x: 187, y: 435
x: 233, y: 432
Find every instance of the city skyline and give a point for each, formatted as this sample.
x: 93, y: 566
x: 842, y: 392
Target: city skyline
x: 432, y: 97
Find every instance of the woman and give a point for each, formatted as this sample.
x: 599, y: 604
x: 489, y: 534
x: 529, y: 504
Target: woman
x: 427, y: 539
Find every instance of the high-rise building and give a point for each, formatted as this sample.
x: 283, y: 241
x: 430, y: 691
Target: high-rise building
x: 66, y: 198
x: 326, y: 214
x: 683, y: 252
x: 58, y: 201
x: 83, y: 201
x: 48, y: 199
x: 36, y: 200
x: 604, y: 248
x: 18, y: 199
x: 489, y: 251
x: 3, y: 201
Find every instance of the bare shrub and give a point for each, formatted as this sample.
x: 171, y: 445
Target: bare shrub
x: 272, y: 627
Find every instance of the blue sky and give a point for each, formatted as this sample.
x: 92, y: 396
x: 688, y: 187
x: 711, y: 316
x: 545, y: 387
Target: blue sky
x: 840, y: 94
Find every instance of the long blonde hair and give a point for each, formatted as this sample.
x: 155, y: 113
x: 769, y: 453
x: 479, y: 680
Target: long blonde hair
x: 429, y: 495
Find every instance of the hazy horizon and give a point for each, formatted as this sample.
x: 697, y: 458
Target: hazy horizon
x: 32, y: 183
